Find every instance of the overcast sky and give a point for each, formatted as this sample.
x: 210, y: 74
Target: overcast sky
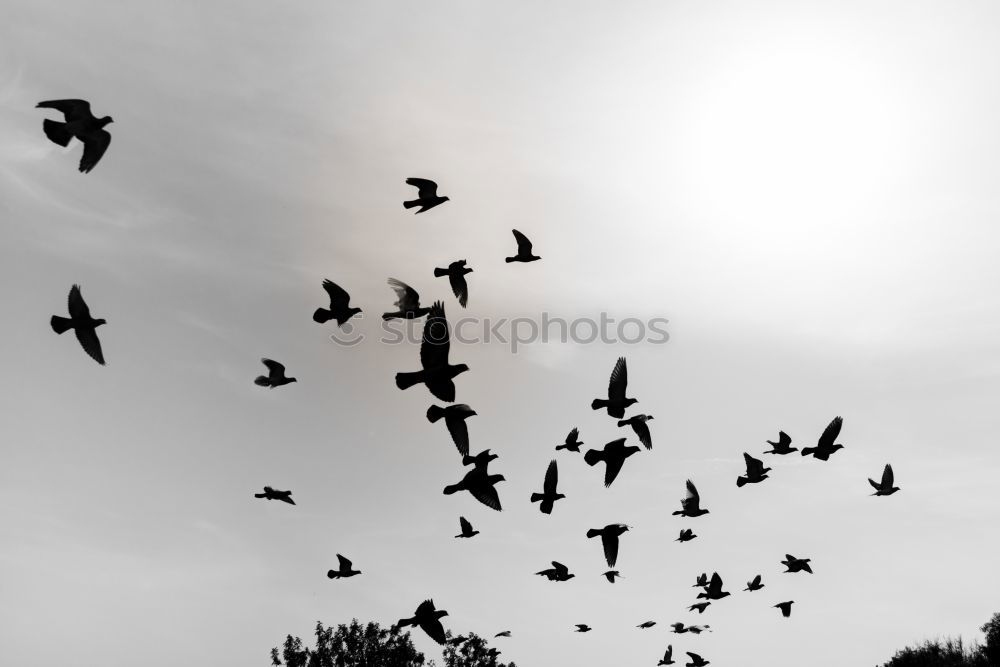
x: 806, y: 191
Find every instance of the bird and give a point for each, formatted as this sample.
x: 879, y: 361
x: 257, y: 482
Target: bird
x: 456, y: 276
x: 343, y: 570
x: 81, y: 124
x: 572, y: 441
x: 83, y: 325
x: 678, y: 628
x: 714, y: 589
x: 885, y: 487
x: 645, y: 625
x: 407, y: 301
x: 437, y: 373
x: 668, y: 656
x: 691, y: 504
x: 610, y: 575
x: 785, y: 607
x: 783, y: 446
x: 275, y: 375
x: 686, y: 535
x: 272, y: 494
x: 697, y: 629
x: 754, y: 585
x: 427, y: 196
x: 617, y: 386
x: 428, y: 619
x: 609, y: 537
x: 701, y: 581
x: 454, y: 419
x: 700, y: 607
x: 825, y: 445
x: 523, y: 249
x: 549, y: 495
x: 696, y: 660
x: 638, y: 424
x: 467, y: 530
x: 481, y: 485
x: 613, y: 454
x: 480, y: 460
x: 457, y: 640
x: 796, y: 564
x: 756, y: 472
x: 558, y: 572
x: 505, y: 633
x: 340, y: 305
x: 582, y: 627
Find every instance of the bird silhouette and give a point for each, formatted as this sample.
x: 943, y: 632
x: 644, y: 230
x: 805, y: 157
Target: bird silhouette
x: 668, y: 656
x: 505, y: 633
x: 714, y: 589
x: 523, y: 249
x: 678, y: 628
x: 885, y: 487
x: 558, y: 572
x: 613, y: 454
x: 609, y: 538
x: 691, y: 504
x: 456, y: 277
x: 686, y: 535
x: 645, y: 625
x: 480, y: 460
x: 754, y: 585
x: 796, y: 564
x: 83, y: 325
x: 272, y: 494
x: 572, y: 441
x: 481, y: 485
x: 437, y: 373
x: 783, y: 446
x: 466, y: 528
x: 696, y: 660
x: 700, y: 607
x: 81, y: 124
x: 756, y: 472
x: 407, y: 301
x: 825, y: 446
x: 582, y: 627
x: 343, y: 569
x: 549, y: 495
x: 340, y: 305
x: 611, y: 575
x: 785, y: 607
x: 428, y: 619
x: 427, y: 196
x: 617, y: 387
x: 701, y: 581
x: 698, y: 629
x: 638, y: 424
x: 454, y: 419
x: 275, y: 375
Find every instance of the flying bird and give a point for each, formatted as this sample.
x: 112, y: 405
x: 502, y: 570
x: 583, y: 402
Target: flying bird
x: 613, y: 454
x: 645, y: 625
x: 617, y: 387
x: 701, y: 581
x: 582, y: 627
x: 572, y: 441
x: 785, y: 607
x: 885, y: 487
x: 505, y: 633
x: 343, y: 569
x: 783, y: 446
x: 275, y: 375
x: 700, y: 607
x: 523, y: 249
x: 437, y: 373
x: 609, y: 538
x: 691, y: 504
x: 81, y: 124
x: 558, y: 572
x: 340, y: 305
x: 611, y: 575
x: 796, y: 564
x: 407, y: 301
x: 696, y: 660
x: 668, y: 656
x: 480, y: 460
x: 756, y: 472
x: 428, y: 619
x: 754, y: 585
x: 454, y: 419
x: 481, y: 485
x: 83, y: 325
x: 638, y: 424
x: 456, y: 276
x: 466, y: 528
x: 678, y: 628
x: 549, y: 495
x: 686, y: 535
x: 427, y: 196
x: 825, y: 446
x: 714, y: 589
x: 272, y: 494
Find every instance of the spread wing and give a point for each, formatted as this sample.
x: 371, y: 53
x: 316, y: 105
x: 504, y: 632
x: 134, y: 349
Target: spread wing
x: 561, y: 569
x: 90, y: 342
x: 551, y: 479
x: 669, y: 653
x: 459, y: 287
x: 641, y: 429
x: 71, y: 109
x: 573, y: 435
x: 339, y: 298
x: 715, y: 584
x: 459, y: 434
x: 407, y: 298
x: 425, y: 608
x: 784, y: 439
x: 434, y: 629
x: 755, y: 467
x: 436, y: 340
x: 483, y: 491
x: 425, y: 187
x: 831, y: 432
x: 693, y: 500
x: 887, y: 476
x: 619, y: 381
x: 464, y: 523
x: 610, y: 542
x: 523, y: 244
x: 78, y: 309
x: 94, y: 145
x: 613, y: 466
x: 344, y: 563
x: 273, y: 367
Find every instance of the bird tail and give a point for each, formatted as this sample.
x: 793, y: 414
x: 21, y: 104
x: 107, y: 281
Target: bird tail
x: 411, y: 204
x: 510, y: 259
x: 260, y: 495
x: 452, y: 488
x: 598, y: 404
x: 558, y: 447
x: 536, y: 497
x: 407, y: 380
x: 806, y: 451
x: 434, y: 413
x: 61, y: 324
x: 740, y: 481
x: 622, y: 422
x: 322, y: 315
x: 57, y: 131
x: 440, y: 272
x: 262, y: 381
x: 389, y: 316
x: 593, y: 532
x: 593, y: 457
x: 332, y: 574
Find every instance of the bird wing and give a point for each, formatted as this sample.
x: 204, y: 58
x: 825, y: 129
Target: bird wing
x: 90, y: 342
x: 887, y: 476
x: 755, y: 467
x: 464, y: 523
x: 784, y: 439
x: 561, y: 569
x: 619, y: 381
x: 523, y: 244
x: 669, y: 653
x: 830, y: 433
x: 434, y: 629
x: 273, y: 367
x: 641, y: 429
x: 692, y: 500
x: 613, y: 466
x: 78, y: 309
x: 407, y: 297
x: 485, y: 492
x: 71, y: 109
x: 436, y: 341
x: 715, y: 584
x: 94, y: 145
x: 572, y: 437
x: 459, y: 287
x: 459, y: 434
x: 756, y: 581
x: 425, y: 187
x: 610, y: 542
x: 338, y: 295
x: 551, y: 479
x: 344, y: 563
x: 425, y: 608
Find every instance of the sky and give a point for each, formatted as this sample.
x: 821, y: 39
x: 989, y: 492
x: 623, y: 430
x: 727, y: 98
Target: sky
x: 806, y: 191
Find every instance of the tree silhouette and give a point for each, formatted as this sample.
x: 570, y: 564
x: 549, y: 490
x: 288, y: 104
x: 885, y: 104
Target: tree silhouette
x: 953, y: 652
x: 473, y: 652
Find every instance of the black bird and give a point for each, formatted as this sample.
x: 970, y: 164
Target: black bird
x: 609, y: 537
x: 80, y: 123
x: 271, y: 494
x: 613, y: 454
x: 466, y: 528
x: 523, y: 249
x: 428, y: 619
x: 796, y: 564
x: 549, y: 495
x: 714, y: 589
x: 756, y: 472
x: 825, y: 446
x: 885, y: 488
x: 454, y: 419
x: 407, y: 301
x: 481, y: 485
x: 701, y: 581
x: 638, y: 424
x: 480, y: 460
x: 617, y: 387
x: 645, y: 625
x: 583, y: 627
x: 697, y: 629
x: 686, y: 535
x: 691, y: 504
x: 456, y: 276
x: 610, y: 575
x: 437, y: 373
x: 700, y: 607
x: 275, y: 375
x: 783, y: 446
x: 754, y: 585
x: 343, y: 570
x: 427, y: 196
x: 82, y: 323
x: 340, y: 305
x: 668, y: 656
x: 785, y: 607
x: 558, y: 572
x: 696, y: 660
x: 572, y: 441
x: 679, y: 629
x: 505, y: 633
